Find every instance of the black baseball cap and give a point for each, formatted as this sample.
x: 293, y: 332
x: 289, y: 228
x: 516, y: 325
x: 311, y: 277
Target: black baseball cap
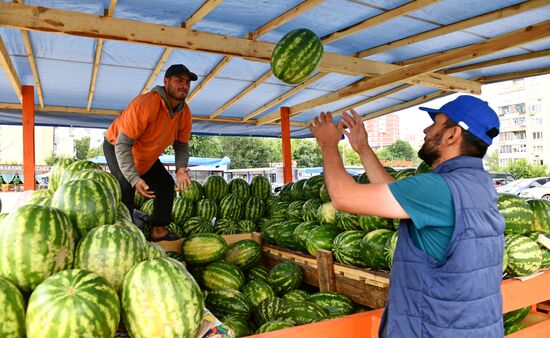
x: 179, y: 70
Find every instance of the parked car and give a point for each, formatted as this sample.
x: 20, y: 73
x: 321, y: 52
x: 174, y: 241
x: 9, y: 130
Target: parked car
x: 538, y: 192
x: 517, y: 186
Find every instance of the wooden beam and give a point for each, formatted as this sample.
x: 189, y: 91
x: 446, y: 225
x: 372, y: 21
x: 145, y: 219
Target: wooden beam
x: 34, y: 69
x: 515, y: 75
x: 378, y: 19
x: 284, y: 18
x: 27, y: 122
x: 9, y: 70
x: 457, y: 26
x: 372, y: 99
x: 97, y: 57
x: 239, y: 96
x: 496, y: 62
x: 206, y: 8
x: 225, y: 60
x: 278, y: 21
x: 275, y: 115
x: 511, y: 40
x: 87, y: 25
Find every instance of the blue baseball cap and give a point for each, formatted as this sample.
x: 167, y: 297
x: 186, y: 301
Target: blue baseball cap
x: 472, y: 114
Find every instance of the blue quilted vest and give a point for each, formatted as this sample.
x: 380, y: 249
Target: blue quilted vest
x: 459, y: 297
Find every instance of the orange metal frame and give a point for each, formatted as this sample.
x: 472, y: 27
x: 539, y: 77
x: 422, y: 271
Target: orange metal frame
x: 285, y: 137
x: 28, y: 137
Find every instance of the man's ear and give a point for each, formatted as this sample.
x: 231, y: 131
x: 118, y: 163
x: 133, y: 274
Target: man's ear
x: 165, y: 81
x: 453, y: 135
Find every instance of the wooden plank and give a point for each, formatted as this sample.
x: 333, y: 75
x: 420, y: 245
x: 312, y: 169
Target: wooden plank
x: 378, y: 19
x: 369, y: 295
x: 225, y: 60
x: 160, y: 63
x: 457, y: 26
x: 9, y: 70
x: 511, y: 40
x: 34, y: 69
x: 514, y: 75
x: 376, y: 278
x: 88, y: 25
x: 496, y: 62
x: 325, y: 271
x: 517, y: 294
x: 384, y: 94
x: 207, y: 7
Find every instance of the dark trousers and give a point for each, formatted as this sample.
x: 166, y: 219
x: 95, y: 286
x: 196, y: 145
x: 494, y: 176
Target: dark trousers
x: 157, y: 178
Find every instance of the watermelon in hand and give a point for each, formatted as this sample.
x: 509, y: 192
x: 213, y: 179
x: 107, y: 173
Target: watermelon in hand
x: 296, y: 56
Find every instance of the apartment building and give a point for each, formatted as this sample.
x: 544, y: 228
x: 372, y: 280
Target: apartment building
x: 524, y: 112
x: 383, y: 131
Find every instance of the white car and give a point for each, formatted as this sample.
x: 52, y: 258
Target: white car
x: 517, y: 186
x: 538, y: 193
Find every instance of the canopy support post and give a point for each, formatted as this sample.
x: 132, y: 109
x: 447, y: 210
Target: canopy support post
x: 287, y: 152
x: 28, y: 137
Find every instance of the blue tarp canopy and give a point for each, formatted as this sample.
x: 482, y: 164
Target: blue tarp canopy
x: 87, y: 59
x: 170, y: 159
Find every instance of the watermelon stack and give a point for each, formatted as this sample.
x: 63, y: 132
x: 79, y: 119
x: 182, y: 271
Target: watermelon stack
x: 524, y: 255
x: 516, y: 212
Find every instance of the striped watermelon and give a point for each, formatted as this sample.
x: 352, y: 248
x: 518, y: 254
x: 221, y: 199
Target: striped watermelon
x: 513, y: 328
x: 74, y: 168
x: 423, y: 168
x: 253, y: 209
x: 345, y: 221
x: 284, y: 236
x: 35, y: 243
x: 122, y: 212
x: 294, y: 211
x: 225, y: 226
x: 268, y: 309
x: 278, y: 210
x: 516, y: 316
x: 258, y: 272
x: 313, y: 186
x: 334, y: 303
x: 296, y: 56
x: 110, y: 251
x: 260, y: 187
x: 193, y: 192
x: 87, y: 202
x: 404, y: 173
x: 293, y: 296
x: 347, y: 248
x: 177, y: 256
x: 161, y: 299
x: 224, y: 302
x: 58, y: 171
x: 134, y: 229
x: 272, y: 200
x: 219, y: 275
x: 12, y: 316
x: 40, y: 193
x: 323, y: 193
x: 270, y: 231
x: 154, y: 251
x: 197, y: 225
x: 3, y: 215
x: 372, y: 248
x: 321, y: 238
x: 139, y: 200
x: 256, y: 291
x: 369, y: 223
x: 326, y: 214
x: 245, y: 254
x: 246, y: 226
x: 207, y: 209
x: 44, y: 201
x: 545, y: 251
x: 389, y: 249
x: 302, y: 312
x: 239, y: 326
x: 274, y: 325
x: 301, y: 232
x: 201, y: 249
x: 73, y: 303
x: 231, y: 207
x: 215, y: 188
x: 363, y: 179
x: 541, y: 215
x: 516, y: 212
x: 286, y: 192
x: 182, y: 210
x: 147, y: 207
x: 297, y: 190
x: 108, y: 180
x: 285, y: 276
x: 240, y: 188
x: 309, y: 209
x: 524, y: 255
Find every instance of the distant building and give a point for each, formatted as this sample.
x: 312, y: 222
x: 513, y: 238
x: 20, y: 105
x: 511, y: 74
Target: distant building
x: 11, y: 144
x: 383, y: 131
x: 523, y: 109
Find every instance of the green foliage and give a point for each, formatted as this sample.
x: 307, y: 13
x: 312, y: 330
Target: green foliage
x: 349, y: 156
x: 399, y: 150
x: 306, y: 153
x: 51, y: 159
x: 491, y: 162
x: 82, y: 146
x: 248, y: 152
x: 206, y: 146
x: 523, y: 169
x: 93, y: 152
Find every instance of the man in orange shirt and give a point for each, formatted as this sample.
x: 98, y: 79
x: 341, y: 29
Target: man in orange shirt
x: 140, y: 134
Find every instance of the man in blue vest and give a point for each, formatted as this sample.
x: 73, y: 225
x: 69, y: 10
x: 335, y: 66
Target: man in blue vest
x: 447, y: 267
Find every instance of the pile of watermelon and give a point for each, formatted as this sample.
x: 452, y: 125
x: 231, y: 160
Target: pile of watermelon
x: 72, y: 264
x: 217, y: 206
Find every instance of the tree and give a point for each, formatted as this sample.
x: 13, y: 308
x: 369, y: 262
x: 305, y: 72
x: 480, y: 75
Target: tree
x: 52, y: 159
x: 349, y: 156
x: 82, y: 146
x: 523, y: 169
x: 247, y: 152
x: 93, y: 152
x: 306, y: 153
x: 205, y: 146
x: 491, y: 162
x: 399, y: 150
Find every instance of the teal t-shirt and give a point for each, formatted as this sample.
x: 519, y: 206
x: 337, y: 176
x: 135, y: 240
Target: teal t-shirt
x: 428, y: 201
